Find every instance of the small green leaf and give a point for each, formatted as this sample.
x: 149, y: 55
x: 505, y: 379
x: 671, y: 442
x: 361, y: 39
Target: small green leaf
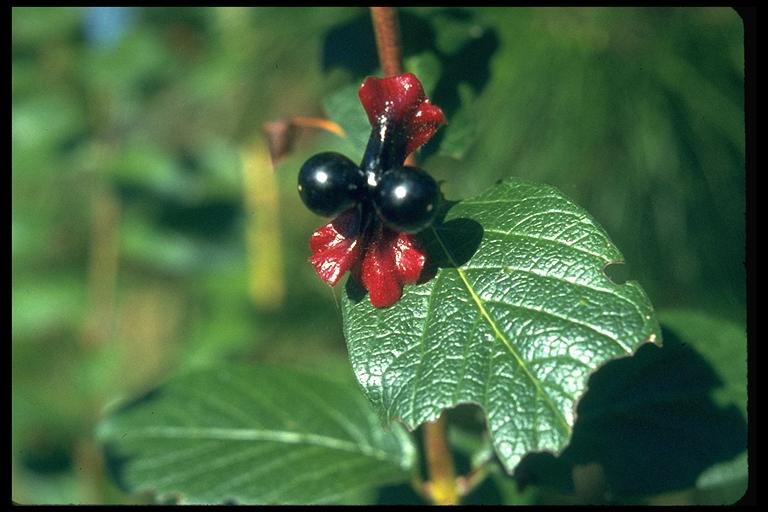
x: 426, y: 66
x: 516, y: 326
x: 461, y: 130
x: 255, y: 435
x: 344, y: 108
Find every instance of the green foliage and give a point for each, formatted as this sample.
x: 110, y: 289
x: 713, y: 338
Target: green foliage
x: 134, y: 241
x: 651, y: 424
x: 724, y: 483
x: 516, y: 325
x: 256, y: 435
x: 343, y: 107
x: 722, y: 344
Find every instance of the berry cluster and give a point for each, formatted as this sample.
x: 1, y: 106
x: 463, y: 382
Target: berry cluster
x: 404, y: 197
x: 380, y: 203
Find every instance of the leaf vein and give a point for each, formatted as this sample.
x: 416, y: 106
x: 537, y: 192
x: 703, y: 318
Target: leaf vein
x: 565, y: 319
x: 548, y: 240
x: 563, y: 424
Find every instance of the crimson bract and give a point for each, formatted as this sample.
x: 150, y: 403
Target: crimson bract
x: 381, y: 203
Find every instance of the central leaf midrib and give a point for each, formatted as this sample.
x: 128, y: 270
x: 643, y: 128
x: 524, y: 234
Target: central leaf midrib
x: 243, y: 434
x: 500, y: 335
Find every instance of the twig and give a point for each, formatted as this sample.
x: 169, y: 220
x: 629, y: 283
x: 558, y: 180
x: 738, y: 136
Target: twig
x: 442, y: 487
x: 282, y: 133
x: 387, y: 40
x: 387, y: 34
x: 315, y: 122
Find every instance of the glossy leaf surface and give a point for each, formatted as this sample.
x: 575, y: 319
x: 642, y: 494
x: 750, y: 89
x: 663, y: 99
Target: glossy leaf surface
x: 517, y: 317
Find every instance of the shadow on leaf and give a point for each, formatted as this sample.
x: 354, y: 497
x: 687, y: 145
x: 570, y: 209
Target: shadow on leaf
x: 114, y: 460
x: 649, y: 421
x: 450, y: 244
x: 355, y: 290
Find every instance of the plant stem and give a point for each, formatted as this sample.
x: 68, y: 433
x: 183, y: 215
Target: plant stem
x: 442, y: 487
x: 387, y: 40
x: 282, y: 133
x: 387, y: 33
x: 315, y: 122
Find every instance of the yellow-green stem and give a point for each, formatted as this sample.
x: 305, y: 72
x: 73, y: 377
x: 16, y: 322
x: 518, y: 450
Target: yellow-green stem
x: 442, y: 487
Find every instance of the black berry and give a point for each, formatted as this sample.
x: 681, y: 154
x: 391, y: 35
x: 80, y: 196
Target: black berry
x: 406, y: 199
x: 330, y: 183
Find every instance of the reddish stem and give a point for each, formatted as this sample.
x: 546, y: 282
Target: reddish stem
x: 388, y: 43
x: 387, y: 40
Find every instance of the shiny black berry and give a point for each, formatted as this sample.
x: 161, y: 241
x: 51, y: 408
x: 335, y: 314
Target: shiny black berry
x: 330, y: 183
x: 406, y: 199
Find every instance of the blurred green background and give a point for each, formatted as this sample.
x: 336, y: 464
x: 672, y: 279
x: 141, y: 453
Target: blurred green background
x: 151, y: 235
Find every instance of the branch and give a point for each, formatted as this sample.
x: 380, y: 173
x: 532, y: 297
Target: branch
x: 388, y: 43
x: 387, y: 40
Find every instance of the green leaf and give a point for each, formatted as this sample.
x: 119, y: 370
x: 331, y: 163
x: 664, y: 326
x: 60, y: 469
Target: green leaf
x: 46, y: 301
x: 41, y: 123
x: 723, y: 344
x: 516, y: 326
x: 650, y: 421
x: 344, y: 108
x: 255, y: 435
x: 426, y: 66
x: 461, y: 131
x: 724, y: 483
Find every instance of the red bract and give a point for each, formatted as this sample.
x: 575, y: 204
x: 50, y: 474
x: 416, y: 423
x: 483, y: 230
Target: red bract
x: 400, y: 100
x: 380, y: 259
x: 336, y: 246
x: 391, y: 260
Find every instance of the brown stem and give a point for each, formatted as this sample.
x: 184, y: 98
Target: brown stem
x: 282, y: 133
x: 322, y: 124
x: 442, y: 487
x: 387, y: 40
x: 388, y: 43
